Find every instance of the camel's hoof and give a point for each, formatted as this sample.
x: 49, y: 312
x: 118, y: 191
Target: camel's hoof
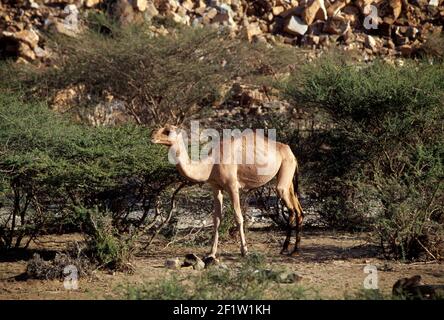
x: 295, y: 254
x: 244, y: 252
x: 285, y: 251
x: 210, y: 261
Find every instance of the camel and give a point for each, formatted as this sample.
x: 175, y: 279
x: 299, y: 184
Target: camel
x: 233, y: 176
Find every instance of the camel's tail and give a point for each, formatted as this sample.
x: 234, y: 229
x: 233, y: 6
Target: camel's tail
x: 294, y: 190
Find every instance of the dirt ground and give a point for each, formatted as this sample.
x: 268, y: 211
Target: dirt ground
x: 331, y: 266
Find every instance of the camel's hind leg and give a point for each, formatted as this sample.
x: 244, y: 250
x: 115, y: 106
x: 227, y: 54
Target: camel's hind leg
x: 234, y: 195
x: 285, y: 190
x: 299, y: 219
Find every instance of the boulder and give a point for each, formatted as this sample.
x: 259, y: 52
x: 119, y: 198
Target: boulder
x: 210, y: 262
x: 278, y: 10
x: 336, y: 7
x: 25, y: 52
x: 210, y: 14
x: 140, y: 5
x: 295, y: 26
x: 414, y: 289
x: 315, y: 9
x: 251, y: 30
x: 370, y: 43
x: 151, y: 11
x: 188, y: 5
x: 173, y: 263
x: 336, y: 25
x: 28, y: 37
x: 396, y: 6
x: 194, y: 261
x: 92, y: 3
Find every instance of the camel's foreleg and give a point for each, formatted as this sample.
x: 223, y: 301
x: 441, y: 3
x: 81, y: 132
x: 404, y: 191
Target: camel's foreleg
x: 234, y: 194
x: 217, y: 215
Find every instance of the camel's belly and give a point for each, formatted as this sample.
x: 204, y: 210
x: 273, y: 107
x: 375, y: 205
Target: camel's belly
x: 251, y: 177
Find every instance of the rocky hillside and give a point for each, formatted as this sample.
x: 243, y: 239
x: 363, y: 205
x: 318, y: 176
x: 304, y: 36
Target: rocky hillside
x: 373, y: 27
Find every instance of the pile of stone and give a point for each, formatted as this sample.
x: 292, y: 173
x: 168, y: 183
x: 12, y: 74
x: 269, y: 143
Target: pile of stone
x: 387, y: 27
x: 191, y: 261
x: 22, y: 23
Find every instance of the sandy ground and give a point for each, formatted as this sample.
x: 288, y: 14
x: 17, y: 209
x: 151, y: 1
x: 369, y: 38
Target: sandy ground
x: 331, y: 266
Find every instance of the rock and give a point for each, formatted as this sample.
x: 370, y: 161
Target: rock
x: 396, y: 6
x: 434, y: 3
x: 200, y: 265
x: 278, y: 276
x: 29, y: 37
x: 192, y: 260
x: 24, y: 51
x: 41, y: 53
x: 312, y: 40
x: 210, y: 261
x: 63, y: 28
x: 295, y: 26
x: 352, y: 15
x: 406, y: 50
x: 362, y: 4
x: 251, y: 30
x: 33, y: 5
x: 414, y: 289
x: 278, y: 10
x: 399, y: 38
x: 295, y: 11
x: 173, y: 263
x: 334, y: 8
x: 140, y: 5
x: 180, y: 19
x: 211, y: 13
x: 288, y: 277
x: 151, y: 11
x: 124, y: 12
x: 91, y: 3
x: 336, y: 25
x: 188, y: 5
x: 200, y: 10
x: 68, y: 26
x: 315, y: 9
x: 221, y: 17
x: 370, y: 42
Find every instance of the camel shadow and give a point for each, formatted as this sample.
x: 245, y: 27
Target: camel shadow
x: 326, y: 253
x: 22, y: 254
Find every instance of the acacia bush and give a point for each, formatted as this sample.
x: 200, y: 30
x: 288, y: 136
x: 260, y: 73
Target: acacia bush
x: 158, y: 78
x: 391, y: 167
x: 53, y: 171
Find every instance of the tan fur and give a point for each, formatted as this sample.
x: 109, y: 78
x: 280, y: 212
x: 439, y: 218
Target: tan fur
x: 232, y: 178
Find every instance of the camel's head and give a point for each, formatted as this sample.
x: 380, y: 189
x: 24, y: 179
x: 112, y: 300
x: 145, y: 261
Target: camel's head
x: 167, y: 135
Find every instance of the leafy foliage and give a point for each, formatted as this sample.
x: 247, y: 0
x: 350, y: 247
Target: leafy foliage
x: 391, y: 166
x: 50, y: 166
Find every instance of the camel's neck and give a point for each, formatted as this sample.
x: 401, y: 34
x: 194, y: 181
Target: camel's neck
x: 197, y: 171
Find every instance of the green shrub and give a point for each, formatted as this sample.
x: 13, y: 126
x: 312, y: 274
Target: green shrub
x: 158, y: 78
x: 391, y: 150
x: 49, y: 166
x: 367, y: 93
x: 433, y: 48
x: 105, y: 244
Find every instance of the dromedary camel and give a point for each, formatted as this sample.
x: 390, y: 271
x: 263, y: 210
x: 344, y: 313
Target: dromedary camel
x: 232, y: 176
